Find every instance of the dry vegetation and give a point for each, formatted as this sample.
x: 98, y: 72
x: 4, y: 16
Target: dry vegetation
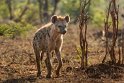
x: 17, y: 61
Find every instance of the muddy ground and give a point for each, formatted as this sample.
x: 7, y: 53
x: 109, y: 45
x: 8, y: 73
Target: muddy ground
x: 17, y: 61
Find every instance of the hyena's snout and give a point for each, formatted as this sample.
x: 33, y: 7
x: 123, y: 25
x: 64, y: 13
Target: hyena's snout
x: 63, y: 32
x: 63, y: 29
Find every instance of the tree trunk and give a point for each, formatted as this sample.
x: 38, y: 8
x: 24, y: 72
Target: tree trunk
x: 9, y: 4
x: 45, y: 12
x: 55, y: 7
x: 40, y: 2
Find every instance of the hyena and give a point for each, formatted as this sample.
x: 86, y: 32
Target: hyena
x: 49, y: 38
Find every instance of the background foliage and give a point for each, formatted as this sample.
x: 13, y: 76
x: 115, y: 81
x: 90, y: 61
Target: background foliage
x: 14, y: 30
x: 63, y: 7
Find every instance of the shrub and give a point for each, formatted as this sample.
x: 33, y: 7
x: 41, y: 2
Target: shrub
x: 13, y: 30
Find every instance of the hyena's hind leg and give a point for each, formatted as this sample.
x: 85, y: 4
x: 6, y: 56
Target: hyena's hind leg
x: 41, y: 55
x: 37, y: 55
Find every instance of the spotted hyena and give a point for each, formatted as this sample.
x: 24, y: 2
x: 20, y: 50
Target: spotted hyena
x: 49, y: 38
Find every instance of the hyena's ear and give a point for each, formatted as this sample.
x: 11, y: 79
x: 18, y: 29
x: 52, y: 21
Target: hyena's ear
x: 54, y: 19
x: 67, y: 18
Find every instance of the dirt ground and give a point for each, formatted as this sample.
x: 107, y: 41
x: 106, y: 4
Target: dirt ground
x: 17, y: 61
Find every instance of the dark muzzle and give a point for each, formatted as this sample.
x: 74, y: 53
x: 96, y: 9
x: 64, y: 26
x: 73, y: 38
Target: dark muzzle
x: 63, y: 29
x: 63, y: 32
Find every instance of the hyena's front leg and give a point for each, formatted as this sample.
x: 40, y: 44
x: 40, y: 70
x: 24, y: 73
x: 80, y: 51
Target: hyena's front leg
x: 58, y: 55
x: 37, y: 54
x: 48, y: 65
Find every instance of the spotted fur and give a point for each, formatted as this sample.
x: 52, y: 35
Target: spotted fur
x: 50, y: 38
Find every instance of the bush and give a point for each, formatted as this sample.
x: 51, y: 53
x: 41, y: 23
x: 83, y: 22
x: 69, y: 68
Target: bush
x: 13, y: 30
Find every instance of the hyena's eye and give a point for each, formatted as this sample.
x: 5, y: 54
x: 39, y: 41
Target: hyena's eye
x: 62, y: 26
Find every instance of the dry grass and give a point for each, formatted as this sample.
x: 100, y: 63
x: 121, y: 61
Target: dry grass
x: 17, y: 62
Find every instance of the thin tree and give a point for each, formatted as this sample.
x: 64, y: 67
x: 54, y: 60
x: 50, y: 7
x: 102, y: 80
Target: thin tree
x: 114, y: 16
x: 84, y: 8
x: 113, y: 13
x: 106, y: 27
